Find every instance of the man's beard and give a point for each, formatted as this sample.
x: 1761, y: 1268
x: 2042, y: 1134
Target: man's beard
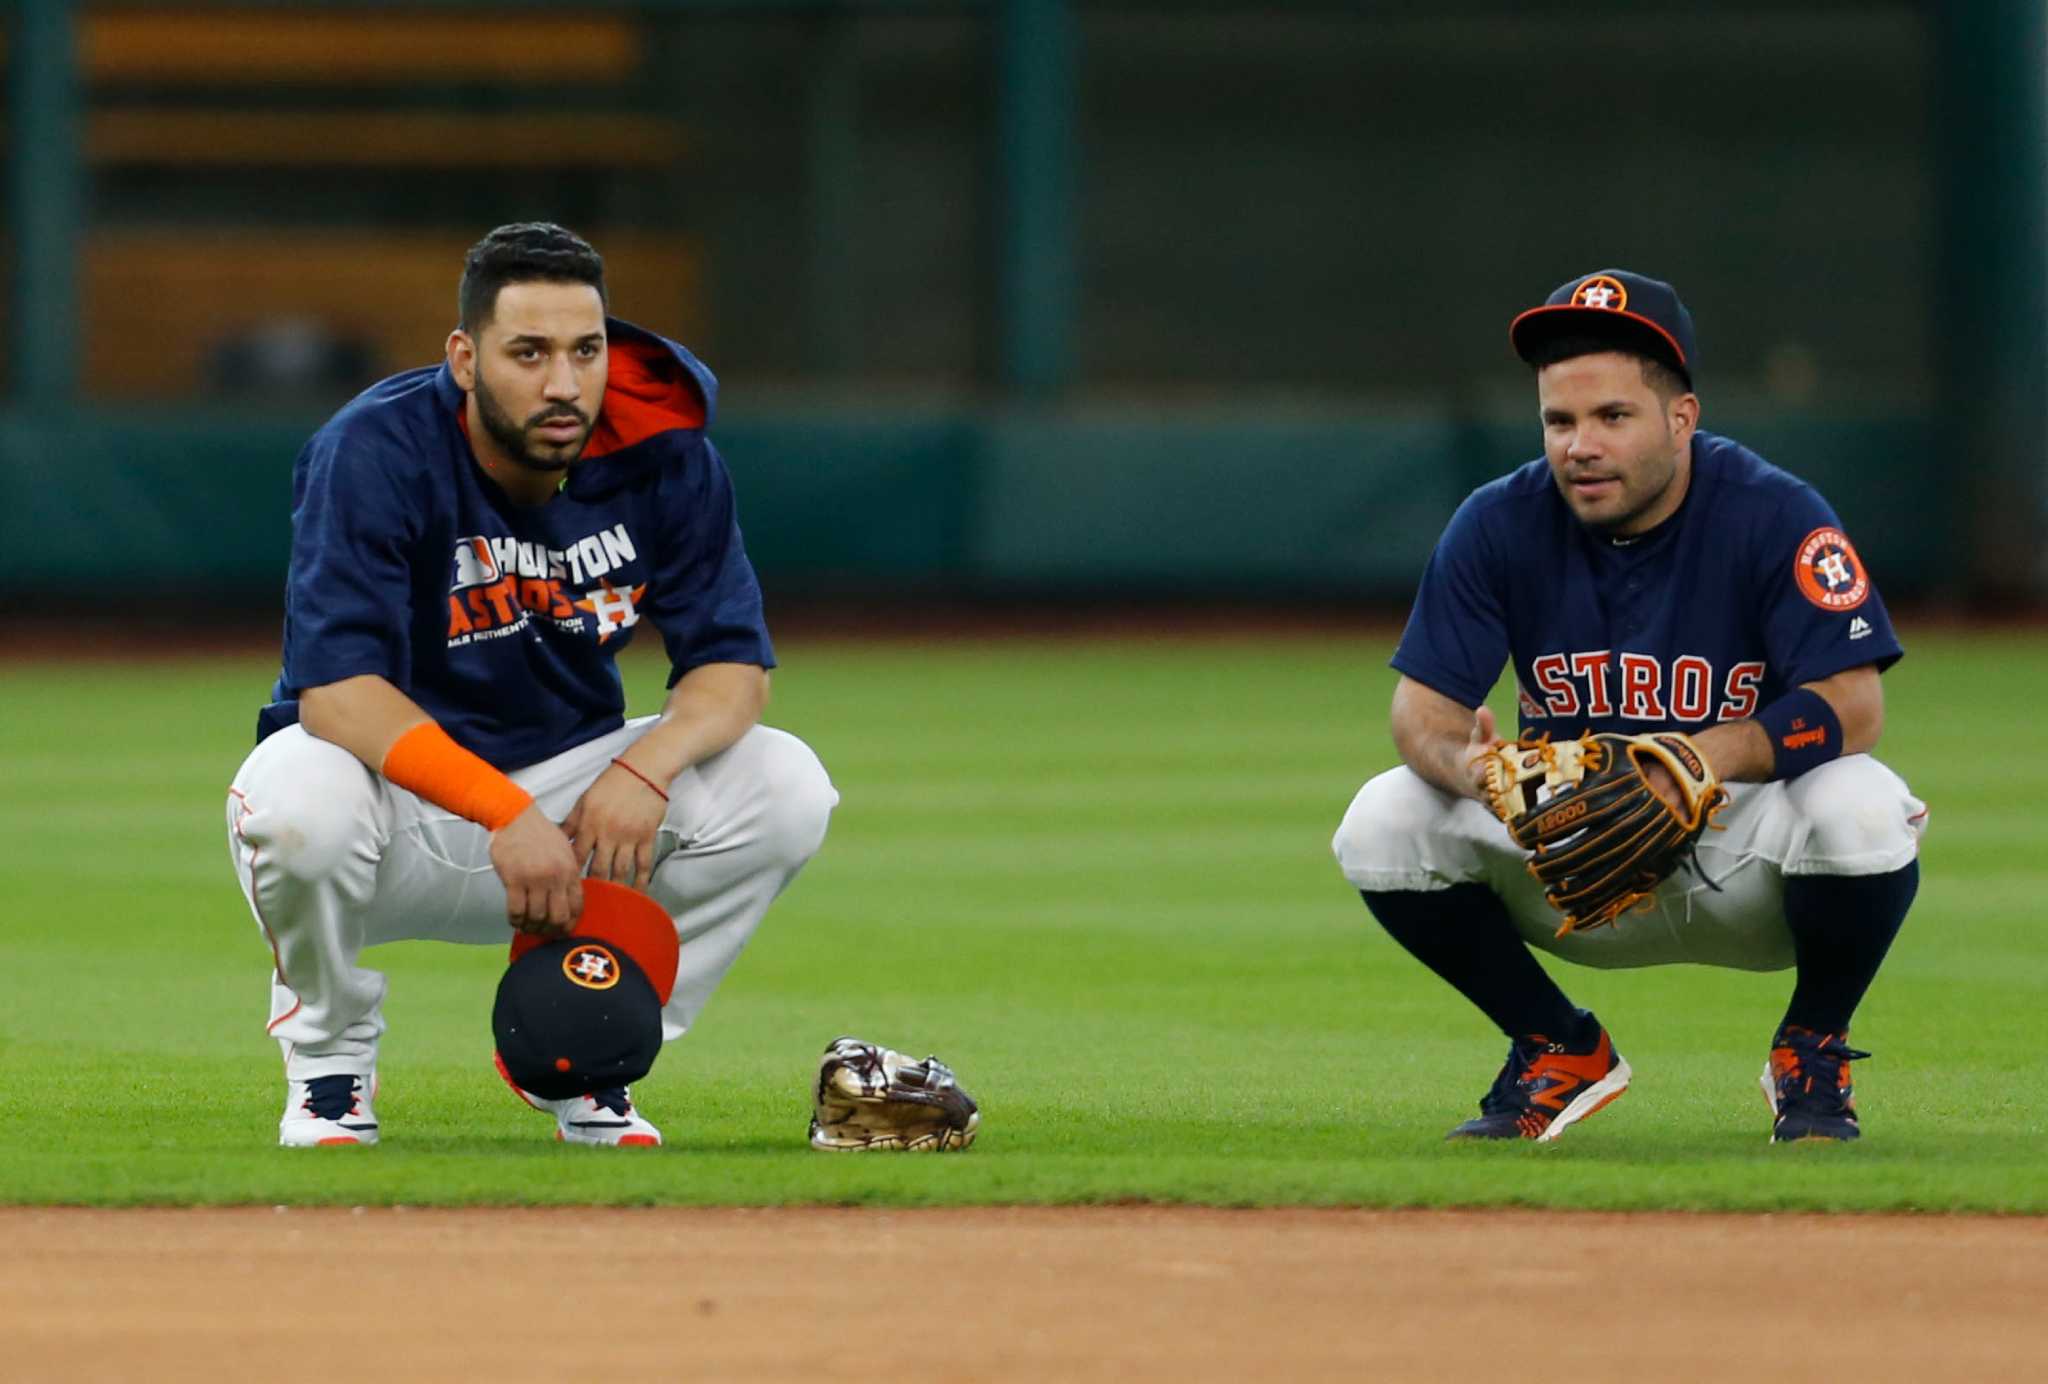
x: 514, y: 439
x: 1612, y: 524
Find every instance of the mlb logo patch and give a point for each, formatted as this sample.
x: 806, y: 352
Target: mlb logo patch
x: 474, y: 564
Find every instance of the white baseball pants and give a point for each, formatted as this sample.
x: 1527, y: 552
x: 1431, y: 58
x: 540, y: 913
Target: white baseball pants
x: 333, y: 859
x: 1851, y: 816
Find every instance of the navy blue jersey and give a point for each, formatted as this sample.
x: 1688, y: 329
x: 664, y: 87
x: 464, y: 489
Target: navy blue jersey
x: 503, y: 622
x: 1748, y: 590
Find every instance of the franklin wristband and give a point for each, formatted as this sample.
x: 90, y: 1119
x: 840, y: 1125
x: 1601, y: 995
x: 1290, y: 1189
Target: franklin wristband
x: 427, y: 761
x: 1805, y: 732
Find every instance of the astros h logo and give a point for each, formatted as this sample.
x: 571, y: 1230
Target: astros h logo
x: 1600, y: 291
x: 591, y: 966
x: 1828, y: 572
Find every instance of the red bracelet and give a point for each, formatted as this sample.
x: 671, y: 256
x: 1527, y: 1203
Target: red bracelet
x: 642, y: 777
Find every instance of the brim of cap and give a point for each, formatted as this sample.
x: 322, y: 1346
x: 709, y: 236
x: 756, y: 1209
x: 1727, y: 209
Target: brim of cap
x: 1538, y: 325
x: 630, y: 921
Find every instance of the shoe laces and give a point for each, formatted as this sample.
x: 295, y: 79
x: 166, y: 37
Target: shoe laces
x: 612, y: 1098
x: 1815, y: 1069
x: 332, y: 1097
x: 1506, y: 1096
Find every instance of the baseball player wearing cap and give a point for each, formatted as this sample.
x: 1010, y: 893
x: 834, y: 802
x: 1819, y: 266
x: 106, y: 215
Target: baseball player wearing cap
x: 1644, y: 575
x: 445, y: 754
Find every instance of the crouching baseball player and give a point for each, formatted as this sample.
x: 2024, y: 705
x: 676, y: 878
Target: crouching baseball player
x: 445, y: 754
x: 1697, y: 649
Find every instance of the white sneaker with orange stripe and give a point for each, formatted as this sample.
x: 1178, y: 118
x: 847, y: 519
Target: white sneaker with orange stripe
x: 602, y: 1117
x: 328, y: 1111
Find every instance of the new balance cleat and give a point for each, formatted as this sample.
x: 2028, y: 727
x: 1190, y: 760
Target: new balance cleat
x: 601, y: 1117
x: 1544, y: 1089
x: 328, y: 1111
x: 1807, y: 1084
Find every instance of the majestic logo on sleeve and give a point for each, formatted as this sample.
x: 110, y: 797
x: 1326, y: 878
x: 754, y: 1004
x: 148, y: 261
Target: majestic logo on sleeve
x: 1600, y: 291
x: 500, y: 586
x: 1828, y: 571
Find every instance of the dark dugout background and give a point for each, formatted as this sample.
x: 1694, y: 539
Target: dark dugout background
x: 1033, y: 300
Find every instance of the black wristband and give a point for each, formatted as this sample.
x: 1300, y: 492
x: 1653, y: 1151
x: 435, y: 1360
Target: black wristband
x: 1805, y: 732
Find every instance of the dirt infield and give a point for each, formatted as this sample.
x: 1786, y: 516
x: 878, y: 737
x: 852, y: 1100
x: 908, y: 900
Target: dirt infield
x: 1039, y: 1294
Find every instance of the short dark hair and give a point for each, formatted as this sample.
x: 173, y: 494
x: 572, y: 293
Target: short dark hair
x: 523, y: 252
x: 1663, y: 376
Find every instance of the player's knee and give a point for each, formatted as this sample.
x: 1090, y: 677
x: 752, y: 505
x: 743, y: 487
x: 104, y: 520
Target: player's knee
x: 309, y: 810
x: 798, y: 796
x: 1385, y: 831
x: 1859, y: 818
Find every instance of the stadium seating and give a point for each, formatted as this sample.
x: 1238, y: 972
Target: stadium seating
x: 411, y: 131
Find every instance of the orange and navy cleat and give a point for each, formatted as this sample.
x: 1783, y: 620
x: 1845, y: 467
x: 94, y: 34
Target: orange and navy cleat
x: 1544, y: 1089
x: 1806, y: 1081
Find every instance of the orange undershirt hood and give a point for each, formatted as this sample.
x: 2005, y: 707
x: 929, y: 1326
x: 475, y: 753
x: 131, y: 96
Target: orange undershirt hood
x: 655, y: 386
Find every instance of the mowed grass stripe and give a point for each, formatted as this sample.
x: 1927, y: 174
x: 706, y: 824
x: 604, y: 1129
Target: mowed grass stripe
x: 1095, y: 878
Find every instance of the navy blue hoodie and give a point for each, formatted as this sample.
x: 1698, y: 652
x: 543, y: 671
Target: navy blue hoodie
x: 503, y: 622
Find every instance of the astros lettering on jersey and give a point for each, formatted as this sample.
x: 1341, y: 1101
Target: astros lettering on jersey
x: 1748, y: 591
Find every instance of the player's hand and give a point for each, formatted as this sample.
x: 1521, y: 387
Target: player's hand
x: 532, y: 856
x: 612, y: 828
x: 1485, y: 738
x: 1664, y: 786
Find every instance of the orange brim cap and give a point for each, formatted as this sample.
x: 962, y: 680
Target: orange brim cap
x: 1644, y: 312
x: 630, y: 921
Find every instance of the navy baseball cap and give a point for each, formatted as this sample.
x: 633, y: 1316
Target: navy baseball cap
x: 1631, y: 310
x: 582, y: 1013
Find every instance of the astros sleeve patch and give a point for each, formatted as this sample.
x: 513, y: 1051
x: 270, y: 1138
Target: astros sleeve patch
x: 1828, y: 571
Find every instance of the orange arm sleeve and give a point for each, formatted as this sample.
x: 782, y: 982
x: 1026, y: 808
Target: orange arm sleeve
x: 428, y: 762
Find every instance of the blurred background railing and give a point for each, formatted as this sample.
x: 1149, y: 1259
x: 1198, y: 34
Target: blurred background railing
x: 1030, y: 298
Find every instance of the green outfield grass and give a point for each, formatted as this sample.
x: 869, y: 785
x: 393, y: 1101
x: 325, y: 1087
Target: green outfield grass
x: 1095, y: 878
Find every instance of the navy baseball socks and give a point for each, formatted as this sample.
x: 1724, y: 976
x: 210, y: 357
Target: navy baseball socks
x: 1561, y: 1064
x: 1842, y: 926
x: 1463, y: 934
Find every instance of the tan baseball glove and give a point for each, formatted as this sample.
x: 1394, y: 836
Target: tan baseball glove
x: 871, y: 1097
x: 1601, y: 839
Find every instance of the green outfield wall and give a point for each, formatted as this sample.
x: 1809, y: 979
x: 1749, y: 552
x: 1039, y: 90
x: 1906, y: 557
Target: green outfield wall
x: 1018, y: 297
x: 1087, y: 506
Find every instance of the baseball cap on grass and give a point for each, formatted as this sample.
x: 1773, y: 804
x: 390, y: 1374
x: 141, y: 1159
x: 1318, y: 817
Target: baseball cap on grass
x: 582, y: 1013
x: 1640, y: 313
